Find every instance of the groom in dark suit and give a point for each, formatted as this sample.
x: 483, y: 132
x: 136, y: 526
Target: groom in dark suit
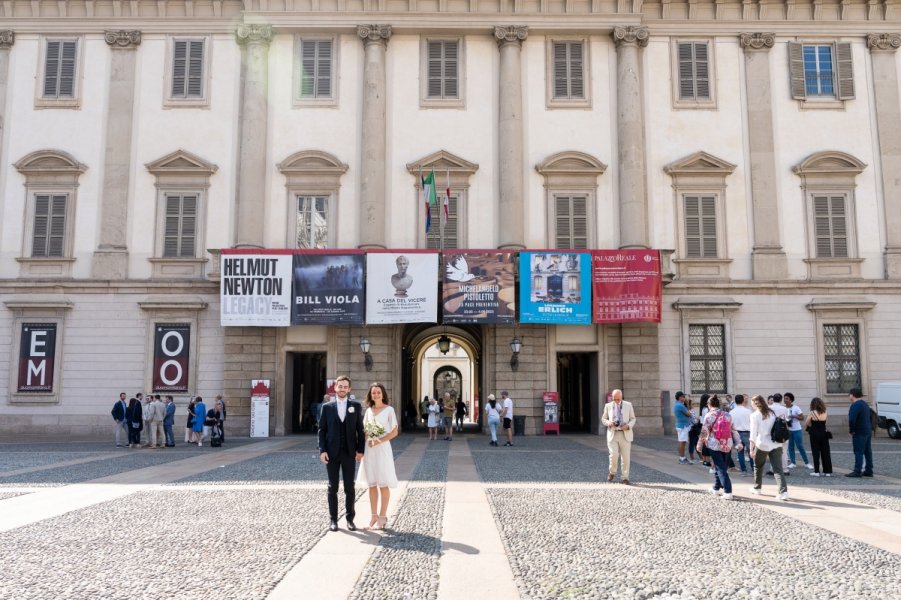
x: 341, y: 446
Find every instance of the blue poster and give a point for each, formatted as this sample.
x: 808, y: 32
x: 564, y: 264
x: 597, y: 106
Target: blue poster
x: 328, y: 288
x: 555, y: 287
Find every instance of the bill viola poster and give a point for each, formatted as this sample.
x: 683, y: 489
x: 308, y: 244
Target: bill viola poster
x: 626, y: 285
x: 328, y: 288
x: 255, y: 288
x: 555, y: 287
x: 401, y: 287
x: 479, y: 287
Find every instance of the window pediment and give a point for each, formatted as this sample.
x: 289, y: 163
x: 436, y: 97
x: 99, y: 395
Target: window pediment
x: 571, y: 163
x: 181, y: 162
x: 44, y: 163
x: 831, y: 162
x: 312, y: 162
x: 699, y: 164
x: 443, y: 161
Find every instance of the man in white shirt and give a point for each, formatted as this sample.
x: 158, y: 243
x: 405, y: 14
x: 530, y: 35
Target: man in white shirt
x: 775, y: 402
x: 795, y: 418
x: 157, y: 415
x: 507, y: 415
x: 619, y: 419
x: 741, y: 420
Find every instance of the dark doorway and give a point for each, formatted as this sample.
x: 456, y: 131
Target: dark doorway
x: 577, y: 383
x: 306, y: 382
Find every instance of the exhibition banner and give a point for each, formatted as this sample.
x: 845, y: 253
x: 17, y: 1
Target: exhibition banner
x: 328, y: 288
x: 626, y: 285
x: 555, y: 287
x: 479, y: 287
x: 171, y: 355
x: 255, y: 288
x: 37, y: 357
x: 401, y: 287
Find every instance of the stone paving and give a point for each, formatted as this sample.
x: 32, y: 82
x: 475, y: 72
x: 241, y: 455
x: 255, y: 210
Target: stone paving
x: 565, y: 532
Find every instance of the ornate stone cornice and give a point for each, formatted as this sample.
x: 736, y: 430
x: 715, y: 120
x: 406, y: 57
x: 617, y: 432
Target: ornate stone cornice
x: 757, y: 41
x: 511, y: 34
x: 7, y: 38
x: 253, y: 34
x: 631, y: 35
x: 883, y: 41
x: 374, y: 34
x: 122, y: 39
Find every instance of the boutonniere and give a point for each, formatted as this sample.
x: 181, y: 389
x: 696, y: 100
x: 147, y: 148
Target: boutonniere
x: 350, y: 409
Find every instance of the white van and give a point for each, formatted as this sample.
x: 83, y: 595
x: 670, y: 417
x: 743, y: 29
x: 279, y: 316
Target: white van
x: 888, y: 406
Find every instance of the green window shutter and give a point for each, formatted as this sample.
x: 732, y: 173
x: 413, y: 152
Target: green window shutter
x: 844, y: 71
x: 796, y: 71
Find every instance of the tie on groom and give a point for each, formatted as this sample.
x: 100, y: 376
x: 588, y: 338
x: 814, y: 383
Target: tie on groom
x: 341, y: 445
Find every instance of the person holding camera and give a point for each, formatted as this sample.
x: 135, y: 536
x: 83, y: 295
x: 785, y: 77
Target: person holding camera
x: 619, y: 419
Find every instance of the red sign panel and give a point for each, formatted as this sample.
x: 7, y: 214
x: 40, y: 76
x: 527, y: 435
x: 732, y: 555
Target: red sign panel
x: 37, y: 352
x: 626, y: 285
x: 171, y: 351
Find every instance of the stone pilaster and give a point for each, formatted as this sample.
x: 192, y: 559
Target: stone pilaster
x: 254, y: 117
x: 641, y: 374
x: 373, y: 136
x: 633, y: 195
x: 768, y: 258
x: 511, y: 224
x: 888, y: 121
x: 7, y: 39
x: 110, y: 260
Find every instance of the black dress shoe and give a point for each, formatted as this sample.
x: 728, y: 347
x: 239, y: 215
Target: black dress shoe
x: 867, y: 474
x: 333, y: 525
x: 852, y: 474
x: 350, y: 525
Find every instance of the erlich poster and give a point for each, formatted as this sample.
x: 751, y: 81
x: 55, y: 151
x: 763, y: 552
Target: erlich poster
x: 328, y: 288
x: 255, y: 289
x: 626, y: 285
x: 401, y: 287
x: 479, y: 287
x: 555, y: 287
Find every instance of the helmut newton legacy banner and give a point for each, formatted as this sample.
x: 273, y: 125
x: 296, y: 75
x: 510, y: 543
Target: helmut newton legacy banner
x: 328, y: 288
x: 171, y: 354
x: 555, y: 287
x: 255, y: 289
x: 479, y: 287
x: 37, y: 354
x: 627, y: 286
x: 401, y: 287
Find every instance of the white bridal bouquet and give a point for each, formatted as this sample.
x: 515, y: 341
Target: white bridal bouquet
x: 374, y: 430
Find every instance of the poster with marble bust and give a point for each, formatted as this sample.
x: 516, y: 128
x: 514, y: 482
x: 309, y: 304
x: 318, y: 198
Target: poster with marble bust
x: 401, y: 286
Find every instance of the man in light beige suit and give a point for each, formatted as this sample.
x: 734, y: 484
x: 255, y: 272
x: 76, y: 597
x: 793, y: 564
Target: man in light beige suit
x: 619, y: 419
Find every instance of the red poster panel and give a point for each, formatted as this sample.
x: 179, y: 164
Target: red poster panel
x: 626, y: 285
x: 171, y: 354
x: 37, y: 354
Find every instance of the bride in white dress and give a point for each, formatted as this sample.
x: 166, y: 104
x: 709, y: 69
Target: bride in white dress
x: 377, y: 466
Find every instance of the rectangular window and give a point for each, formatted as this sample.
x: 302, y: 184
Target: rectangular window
x: 443, y: 76
x: 433, y: 239
x: 568, y: 71
x: 180, y: 232
x: 49, y: 225
x: 821, y: 72
x: 841, y: 346
x: 59, y: 69
x: 312, y: 222
x: 316, y: 69
x: 700, y: 227
x: 694, y: 71
x: 707, y: 355
x: 818, y: 73
x: 831, y: 226
x: 187, y: 68
x: 571, y: 221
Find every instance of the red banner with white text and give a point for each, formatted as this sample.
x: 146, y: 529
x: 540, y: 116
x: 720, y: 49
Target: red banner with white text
x: 627, y: 286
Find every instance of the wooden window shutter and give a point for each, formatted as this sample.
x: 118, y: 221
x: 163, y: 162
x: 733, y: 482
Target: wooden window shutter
x: 579, y: 231
x: 435, y: 69
x: 796, y: 70
x: 451, y: 61
x: 702, y: 71
x: 49, y: 234
x: 180, y: 227
x: 844, y: 71
x: 839, y: 227
x: 179, y: 68
x: 827, y: 212
x: 307, y: 62
x: 188, y: 233
x: 67, y: 69
x: 576, y: 85
x: 693, y: 243
x: 451, y: 231
x: 708, y: 227
x: 561, y: 87
x: 324, y: 68
x: 195, y: 69
x: 41, y: 225
x: 686, y: 71
x: 51, y: 69
x: 568, y: 70
x: 563, y: 217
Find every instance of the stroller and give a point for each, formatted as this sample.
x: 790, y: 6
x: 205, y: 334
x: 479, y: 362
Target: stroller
x: 215, y: 436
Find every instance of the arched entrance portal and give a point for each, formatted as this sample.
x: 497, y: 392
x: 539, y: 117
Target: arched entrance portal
x: 429, y: 372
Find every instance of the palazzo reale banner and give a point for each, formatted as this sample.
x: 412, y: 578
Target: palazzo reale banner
x: 626, y: 286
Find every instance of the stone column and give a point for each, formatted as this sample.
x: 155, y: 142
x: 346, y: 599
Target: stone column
x: 767, y: 259
x: 511, y: 225
x: 633, y: 195
x: 888, y: 121
x: 110, y: 260
x: 253, y: 127
x: 7, y: 39
x: 373, y: 136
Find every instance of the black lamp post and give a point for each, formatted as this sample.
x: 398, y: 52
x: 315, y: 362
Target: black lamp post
x: 367, y: 358
x: 516, y: 347
x: 444, y: 343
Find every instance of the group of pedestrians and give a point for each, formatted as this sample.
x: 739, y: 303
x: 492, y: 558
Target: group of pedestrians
x: 155, y: 415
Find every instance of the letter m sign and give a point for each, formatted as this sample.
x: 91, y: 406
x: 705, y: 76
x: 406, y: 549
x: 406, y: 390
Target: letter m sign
x: 37, y: 354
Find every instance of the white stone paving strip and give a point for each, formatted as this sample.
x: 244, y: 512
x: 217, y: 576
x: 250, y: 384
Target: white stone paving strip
x: 67, y: 463
x: 330, y: 570
x: 874, y: 526
x: 52, y: 502
x: 471, y: 543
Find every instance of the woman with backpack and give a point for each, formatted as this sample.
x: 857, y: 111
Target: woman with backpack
x: 719, y: 436
x: 819, y: 438
x: 763, y: 447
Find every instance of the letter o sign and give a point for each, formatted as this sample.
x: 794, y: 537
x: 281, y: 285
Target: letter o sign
x: 164, y: 344
x: 170, y: 358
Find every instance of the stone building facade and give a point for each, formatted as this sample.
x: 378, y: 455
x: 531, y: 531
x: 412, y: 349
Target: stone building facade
x: 756, y: 144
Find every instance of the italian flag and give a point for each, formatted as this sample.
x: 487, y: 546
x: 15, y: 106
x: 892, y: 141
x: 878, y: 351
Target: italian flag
x: 429, y: 196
